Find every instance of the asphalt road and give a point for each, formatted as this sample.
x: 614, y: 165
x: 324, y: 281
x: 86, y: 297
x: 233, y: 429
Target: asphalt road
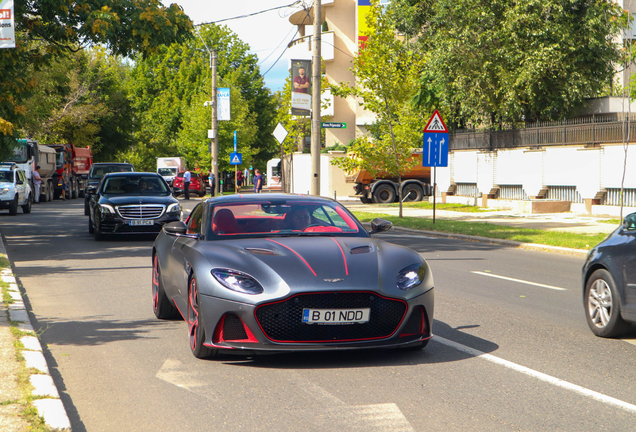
x: 507, y: 355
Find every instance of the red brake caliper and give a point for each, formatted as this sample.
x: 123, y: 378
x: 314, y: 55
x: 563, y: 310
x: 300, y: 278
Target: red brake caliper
x: 155, y: 283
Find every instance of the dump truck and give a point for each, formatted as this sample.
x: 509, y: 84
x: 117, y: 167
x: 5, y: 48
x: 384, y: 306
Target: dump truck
x: 169, y: 167
x: 27, y: 155
x: 77, y: 174
x: 384, y: 187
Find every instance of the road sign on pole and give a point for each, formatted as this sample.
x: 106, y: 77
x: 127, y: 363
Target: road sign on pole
x: 236, y: 158
x: 435, y: 148
x: 333, y: 125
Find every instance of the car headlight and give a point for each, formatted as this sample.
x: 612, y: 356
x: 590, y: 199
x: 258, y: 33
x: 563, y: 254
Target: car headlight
x: 4, y: 191
x: 107, y: 208
x: 411, y: 276
x: 174, y: 208
x: 237, y: 281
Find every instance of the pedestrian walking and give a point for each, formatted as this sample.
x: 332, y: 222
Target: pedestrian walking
x: 239, y: 180
x: 212, y: 181
x: 37, y: 182
x: 186, y: 184
x: 258, y: 181
x: 246, y: 176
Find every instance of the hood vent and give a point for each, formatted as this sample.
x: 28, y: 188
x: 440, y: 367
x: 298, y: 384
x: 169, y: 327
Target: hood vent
x: 261, y: 251
x: 360, y: 250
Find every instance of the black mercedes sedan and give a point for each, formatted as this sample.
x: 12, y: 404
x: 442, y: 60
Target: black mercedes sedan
x: 609, y: 282
x: 131, y: 203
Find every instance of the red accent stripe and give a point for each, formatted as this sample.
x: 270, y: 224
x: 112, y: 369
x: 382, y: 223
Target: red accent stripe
x: 297, y: 254
x: 343, y: 256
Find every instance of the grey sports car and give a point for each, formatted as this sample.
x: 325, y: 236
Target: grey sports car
x: 282, y: 272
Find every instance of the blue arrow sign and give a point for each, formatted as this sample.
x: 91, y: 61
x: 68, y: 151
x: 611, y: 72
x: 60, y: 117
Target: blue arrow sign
x: 236, y: 158
x: 435, y: 149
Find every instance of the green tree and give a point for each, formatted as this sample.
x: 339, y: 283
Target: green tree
x: 81, y: 99
x: 387, y: 71
x: 168, y: 90
x: 499, y: 61
x: 47, y: 28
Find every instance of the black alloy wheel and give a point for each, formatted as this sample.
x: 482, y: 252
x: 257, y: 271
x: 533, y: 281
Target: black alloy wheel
x: 195, y: 330
x: 161, y: 304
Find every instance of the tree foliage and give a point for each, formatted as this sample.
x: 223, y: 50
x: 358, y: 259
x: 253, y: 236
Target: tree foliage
x: 500, y: 61
x: 168, y: 90
x: 48, y: 29
x: 387, y: 71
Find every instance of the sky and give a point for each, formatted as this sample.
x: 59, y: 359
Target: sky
x: 266, y: 33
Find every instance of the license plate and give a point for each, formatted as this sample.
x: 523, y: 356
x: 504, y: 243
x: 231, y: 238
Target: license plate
x: 141, y: 222
x: 336, y: 316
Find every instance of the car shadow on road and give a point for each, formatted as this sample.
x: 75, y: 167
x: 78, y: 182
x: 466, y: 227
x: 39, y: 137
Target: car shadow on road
x: 435, y: 352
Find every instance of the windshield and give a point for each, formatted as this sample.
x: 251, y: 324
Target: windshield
x: 284, y: 218
x: 135, y: 186
x: 167, y: 171
x: 19, y: 154
x: 98, y: 172
x: 6, y: 176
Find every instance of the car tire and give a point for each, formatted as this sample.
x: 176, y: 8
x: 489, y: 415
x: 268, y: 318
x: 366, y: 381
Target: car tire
x: 161, y: 304
x: 86, y: 208
x: 98, y: 232
x: 91, y: 230
x: 26, y: 208
x: 412, y: 193
x: 196, y: 333
x: 602, y: 306
x: 384, y: 194
x: 13, y: 206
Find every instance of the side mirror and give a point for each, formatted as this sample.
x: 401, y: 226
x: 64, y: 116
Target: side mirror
x: 19, y: 182
x: 630, y: 221
x: 175, y: 228
x: 91, y: 189
x: 380, y: 225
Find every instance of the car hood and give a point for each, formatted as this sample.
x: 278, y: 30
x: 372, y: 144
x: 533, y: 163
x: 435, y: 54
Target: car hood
x: 294, y: 264
x: 132, y: 200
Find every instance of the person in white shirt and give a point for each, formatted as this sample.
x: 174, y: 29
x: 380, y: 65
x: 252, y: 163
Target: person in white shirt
x: 37, y: 182
x: 186, y: 184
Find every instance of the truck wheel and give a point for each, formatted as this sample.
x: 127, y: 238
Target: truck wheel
x: 384, y: 194
x: 13, y: 207
x: 412, y: 193
x: 365, y: 200
x: 26, y: 208
x: 75, y: 190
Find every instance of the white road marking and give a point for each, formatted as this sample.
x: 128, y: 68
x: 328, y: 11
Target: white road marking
x: 541, y: 376
x: 175, y: 372
x: 520, y: 281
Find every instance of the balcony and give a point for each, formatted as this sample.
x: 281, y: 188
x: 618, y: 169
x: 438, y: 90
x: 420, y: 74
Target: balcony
x: 302, y: 48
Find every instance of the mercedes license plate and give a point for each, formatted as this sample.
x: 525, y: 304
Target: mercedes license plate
x: 137, y: 222
x: 336, y: 316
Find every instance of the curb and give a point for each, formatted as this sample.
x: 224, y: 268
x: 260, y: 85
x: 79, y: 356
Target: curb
x: 531, y: 246
x: 49, y: 406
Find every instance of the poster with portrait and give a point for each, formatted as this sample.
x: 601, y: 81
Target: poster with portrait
x: 301, y: 87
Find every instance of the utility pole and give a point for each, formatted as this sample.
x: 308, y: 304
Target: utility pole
x: 315, y: 100
x: 215, y: 126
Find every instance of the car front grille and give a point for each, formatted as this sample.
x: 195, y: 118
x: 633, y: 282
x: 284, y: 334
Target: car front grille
x: 282, y: 321
x: 144, y: 211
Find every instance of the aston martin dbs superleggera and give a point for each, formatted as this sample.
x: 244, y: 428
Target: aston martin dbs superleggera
x: 281, y: 272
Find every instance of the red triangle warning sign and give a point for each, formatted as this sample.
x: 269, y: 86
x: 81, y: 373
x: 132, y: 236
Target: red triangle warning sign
x: 436, y: 124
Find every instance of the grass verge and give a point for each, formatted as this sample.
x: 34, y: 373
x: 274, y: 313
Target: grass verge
x: 447, y: 206
x: 484, y: 229
x: 28, y: 411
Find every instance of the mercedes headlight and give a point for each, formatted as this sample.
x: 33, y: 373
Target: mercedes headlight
x: 174, y: 208
x: 237, y: 281
x: 411, y: 276
x: 107, y: 208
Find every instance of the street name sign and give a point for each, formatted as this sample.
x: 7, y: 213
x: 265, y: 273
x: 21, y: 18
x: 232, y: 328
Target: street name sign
x: 333, y: 125
x: 435, y: 146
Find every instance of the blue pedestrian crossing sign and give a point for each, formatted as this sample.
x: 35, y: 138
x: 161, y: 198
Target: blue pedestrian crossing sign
x: 435, y: 146
x: 236, y: 158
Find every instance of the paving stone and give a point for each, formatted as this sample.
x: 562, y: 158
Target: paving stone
x: 35, y: 359
x: 52, y: 410
x: 44, y: 386
x: 31, y: 343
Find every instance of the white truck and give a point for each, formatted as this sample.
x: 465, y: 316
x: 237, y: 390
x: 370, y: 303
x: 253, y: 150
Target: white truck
x: 29, y: 154
x: 169, y: 167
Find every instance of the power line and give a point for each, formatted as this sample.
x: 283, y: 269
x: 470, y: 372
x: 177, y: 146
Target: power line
x: 252, y: 14
x: 285, y: 50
